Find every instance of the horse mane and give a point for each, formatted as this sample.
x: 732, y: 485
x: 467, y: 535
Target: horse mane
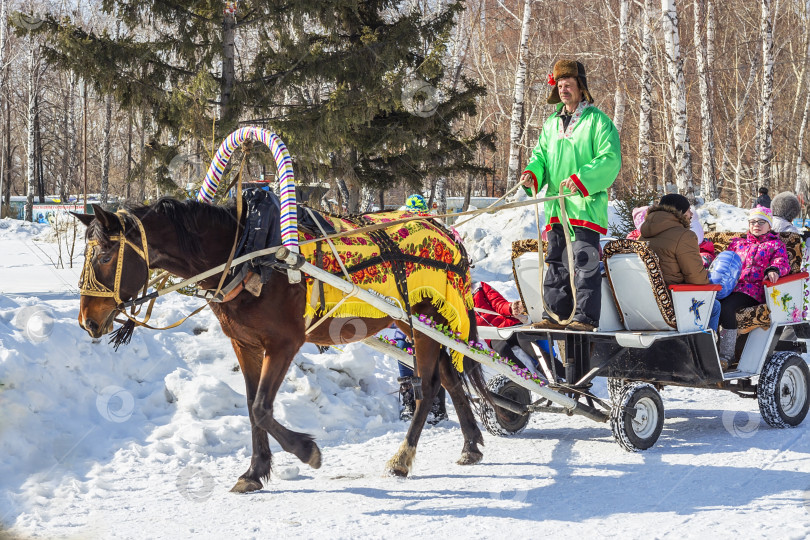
x: 188, y: 218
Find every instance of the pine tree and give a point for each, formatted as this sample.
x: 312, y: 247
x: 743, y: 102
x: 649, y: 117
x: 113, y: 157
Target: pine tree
x: 355, y: 88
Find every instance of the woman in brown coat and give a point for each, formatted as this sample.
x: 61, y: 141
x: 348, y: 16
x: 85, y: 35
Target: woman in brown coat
x: 666, y: 230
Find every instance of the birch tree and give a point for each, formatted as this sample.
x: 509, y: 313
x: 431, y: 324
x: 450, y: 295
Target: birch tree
x: 708, y: 186
x: 621, y: 73
x: 800, y: 182
x: 766, y: 97
x: 3, y: 60
x: 441, y: 195
x: 677, y: 90
x: 33, y: 90
x: 516, y: 123
x: 645, y: 98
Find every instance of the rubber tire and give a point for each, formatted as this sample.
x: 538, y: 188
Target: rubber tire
x: 624, y: 430
x: 614, y: 388
x: 498, y: 421
x: 781, y: 371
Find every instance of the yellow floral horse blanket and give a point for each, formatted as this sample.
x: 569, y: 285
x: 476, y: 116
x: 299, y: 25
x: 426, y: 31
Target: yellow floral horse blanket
x: 443, y: 278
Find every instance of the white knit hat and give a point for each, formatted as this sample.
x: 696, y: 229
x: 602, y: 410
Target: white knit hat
x: 760, y: 212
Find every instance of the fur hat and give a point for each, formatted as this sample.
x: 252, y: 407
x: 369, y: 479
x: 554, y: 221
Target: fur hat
x: 676, y: 201
x: 761, y: 212
x: 568, y: 68
x: 786, y: 205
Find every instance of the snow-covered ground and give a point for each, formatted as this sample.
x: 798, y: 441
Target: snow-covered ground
x: 146, y: 442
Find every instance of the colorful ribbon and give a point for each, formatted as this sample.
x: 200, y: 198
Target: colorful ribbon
x: 286, y: 178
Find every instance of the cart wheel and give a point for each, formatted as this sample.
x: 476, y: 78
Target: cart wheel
x: 499, y: 421
x: 783, y: 390
x: 637, y: 416
x: 614, y: 387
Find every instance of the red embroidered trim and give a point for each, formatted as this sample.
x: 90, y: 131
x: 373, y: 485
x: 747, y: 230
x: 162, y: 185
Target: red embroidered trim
x: 578, y: 223
x: 580, y: 185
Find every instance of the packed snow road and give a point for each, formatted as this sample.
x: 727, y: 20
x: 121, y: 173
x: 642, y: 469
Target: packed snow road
x: 146, y: 442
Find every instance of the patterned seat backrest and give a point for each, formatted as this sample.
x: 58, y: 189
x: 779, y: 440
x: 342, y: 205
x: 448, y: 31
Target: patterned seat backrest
x: 793, y: 243
x: 638, y: 286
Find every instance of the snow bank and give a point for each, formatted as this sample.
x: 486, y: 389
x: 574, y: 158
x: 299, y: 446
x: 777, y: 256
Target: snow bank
x: 719, y: 216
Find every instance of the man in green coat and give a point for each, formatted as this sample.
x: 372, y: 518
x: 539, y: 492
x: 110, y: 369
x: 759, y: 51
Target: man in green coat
x: 578, y: 149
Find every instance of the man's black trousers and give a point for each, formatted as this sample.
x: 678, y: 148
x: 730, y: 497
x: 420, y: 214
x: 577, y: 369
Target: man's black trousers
x: 587, y: 277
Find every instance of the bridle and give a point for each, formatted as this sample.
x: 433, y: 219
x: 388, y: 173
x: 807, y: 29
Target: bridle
x: 90, y: 286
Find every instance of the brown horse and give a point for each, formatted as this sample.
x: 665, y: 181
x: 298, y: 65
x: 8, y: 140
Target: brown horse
x: 187, y: 238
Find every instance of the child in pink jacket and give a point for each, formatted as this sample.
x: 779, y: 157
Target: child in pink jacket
x: 764, y: 257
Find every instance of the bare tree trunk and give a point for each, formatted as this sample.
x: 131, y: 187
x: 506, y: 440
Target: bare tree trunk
x: 38, y: 173
x: 33, y: 89
x: 352, y: 183
x: 516, y: 123
x: 708, y: 185
x: 441, y: 195
x: 621, y: 83
x: 432, y: 196
x: 8, y: 160
x: 67, y: 117
x: 367, y: 199
x: 800, y: 183
x: 142, y: 167
x: 710, y: 30
x: 128, y: 193
x: 645, y: 100
x: 682, y: 153
x: 343, y: 192
x: 228, y: 70
x: 467, y: 192
x: 3, y: 77
x: 766, y: 99
x: 105, y: 157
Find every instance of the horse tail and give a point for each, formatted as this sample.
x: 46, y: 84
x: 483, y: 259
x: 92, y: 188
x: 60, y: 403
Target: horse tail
x: 473, y: 373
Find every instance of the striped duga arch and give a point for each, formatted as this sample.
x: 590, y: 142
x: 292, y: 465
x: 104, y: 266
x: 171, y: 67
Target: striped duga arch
x: 289, y: 211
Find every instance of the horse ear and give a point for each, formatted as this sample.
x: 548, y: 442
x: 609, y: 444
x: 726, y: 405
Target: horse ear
x: 107, y: 219
x: 87, y: 219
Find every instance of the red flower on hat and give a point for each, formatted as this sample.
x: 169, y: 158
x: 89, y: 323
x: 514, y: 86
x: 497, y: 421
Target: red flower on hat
x: 551, y: 80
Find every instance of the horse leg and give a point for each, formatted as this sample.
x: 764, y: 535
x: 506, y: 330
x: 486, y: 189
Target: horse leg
x: 300, y: 444
x: 451, y: 380
x: 250, y: 360
x: 427, y: 352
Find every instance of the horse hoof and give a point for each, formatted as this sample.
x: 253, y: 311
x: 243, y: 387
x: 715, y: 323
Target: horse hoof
x: 470, y: 458
x: 401, y: 472
x: 245, y: 485
x: 400, y: 464
x: 315, y: 457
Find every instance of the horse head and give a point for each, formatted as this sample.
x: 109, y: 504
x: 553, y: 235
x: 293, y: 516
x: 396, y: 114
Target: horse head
x: 116, y: 266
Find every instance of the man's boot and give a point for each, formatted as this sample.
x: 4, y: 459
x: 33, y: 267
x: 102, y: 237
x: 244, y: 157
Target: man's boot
x: 726, y: 345
x: 438, y: 411
x: 406, y: 398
